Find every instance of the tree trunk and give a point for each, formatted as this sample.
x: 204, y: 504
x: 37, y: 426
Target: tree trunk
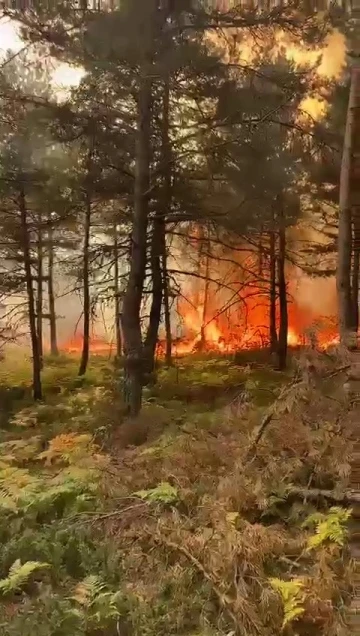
x: 345, y: 234
x: 203, y: 270
x: 51, y: 295
x: 167, y: 317
x: 131, y: 325
x: 25, y: 239
x: 39, y: 296
x: 355, y: 290
x: 86, y: 288
x: 283, y: 310
x: 272, y: 316
x: 117, y: 296
x: 205, y: 313
x: 166, y: 206
x: 355, y: 211
x: 157, y: 297
x: 261, y: 254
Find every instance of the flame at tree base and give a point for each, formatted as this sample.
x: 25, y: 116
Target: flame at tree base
x: 186, y: 346
x: 97, y: 346
x: 246, y: 326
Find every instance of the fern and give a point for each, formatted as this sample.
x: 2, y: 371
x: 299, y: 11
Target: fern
x: 329, y: 527
x: 20, y: 450
x: 163, y: 493
x: 87, y: 590
x: 68, y: 448
x: 98, y: 605
x: 19, y: 575
x: 292, y: 598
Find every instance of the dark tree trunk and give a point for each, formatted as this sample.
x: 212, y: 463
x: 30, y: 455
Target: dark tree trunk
x: 355, y: 290
x: 166, y: 206
x: 131, y: 324
x: 343, y: 278
x: 86, y: 288
x: 167, y: 317
x: 157, y: 297
x: 25, y: 240
x: 117, y: 296
x: 261, y: 254
x: 272, y: 316
x: 283, y: 310
x: 40, y: 280
x: 203, y: 271
x: 205, y: 313
x: 51, y: 295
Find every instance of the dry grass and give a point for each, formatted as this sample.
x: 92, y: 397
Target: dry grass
x: 202, y: 563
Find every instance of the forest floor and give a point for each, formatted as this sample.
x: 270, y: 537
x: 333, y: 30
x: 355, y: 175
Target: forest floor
x: 198, y: 518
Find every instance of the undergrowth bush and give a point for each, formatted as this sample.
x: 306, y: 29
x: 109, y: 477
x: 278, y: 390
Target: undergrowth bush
x: 220, y: 523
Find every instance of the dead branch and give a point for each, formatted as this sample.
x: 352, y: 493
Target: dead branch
x: 347, y: 498
x: 267, y: 419
x: 269, y: 415
x: 224, y: 600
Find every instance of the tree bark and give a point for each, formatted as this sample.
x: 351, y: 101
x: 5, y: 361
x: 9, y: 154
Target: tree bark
x: 25, y: 239
x: 272, y: 316
x: 343, y: 279
x: 166, y: 206
x: 117, y: 296
x: 157, y: 297
x: 167, y: 317
x: 203, y: 271
x: 131, y: 324
x: 355, y: 290
x: 40, y: 280
x: 283, y: 310
x: 51, y: 295
x: 86, y: 287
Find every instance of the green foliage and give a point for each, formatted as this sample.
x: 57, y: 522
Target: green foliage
x: 19, y: 575
x: 97, y: 605
x: 105, y: 572
x: 329, y: 527
x: 292, y: 597
x: 163, y: 493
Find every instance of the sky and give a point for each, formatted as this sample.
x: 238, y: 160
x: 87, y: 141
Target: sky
x: 64, y: 76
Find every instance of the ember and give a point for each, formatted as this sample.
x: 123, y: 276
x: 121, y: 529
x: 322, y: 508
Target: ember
x: 245, y: 325
x: 98, y: 346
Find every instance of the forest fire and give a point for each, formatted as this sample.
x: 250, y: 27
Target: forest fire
x: 246, y: 326
x: 98, y: 346
x: 210, y: 322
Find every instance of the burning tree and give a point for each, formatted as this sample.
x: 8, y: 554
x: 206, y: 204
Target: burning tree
x: 178, y: 133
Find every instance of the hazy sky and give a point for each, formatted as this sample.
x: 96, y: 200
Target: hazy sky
x: 63, y: 77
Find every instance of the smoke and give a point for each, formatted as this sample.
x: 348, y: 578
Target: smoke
x: 318, y: 295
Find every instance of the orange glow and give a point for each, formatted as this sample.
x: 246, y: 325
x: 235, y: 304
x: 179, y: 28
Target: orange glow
x: 246, y: 326
x: 98, y: 346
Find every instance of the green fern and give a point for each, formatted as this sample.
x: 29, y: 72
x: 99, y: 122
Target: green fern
x: 98, y: 605
x: 330, y: 527
x: 19, y: 575
x: 292, y: 598
x: 87, y: 590
x: 163, y: 493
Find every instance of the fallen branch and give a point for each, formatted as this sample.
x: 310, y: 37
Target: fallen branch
x: 267, y: 419
x: 313, y: 494
x: 224, y: 600
x: 269, y: 415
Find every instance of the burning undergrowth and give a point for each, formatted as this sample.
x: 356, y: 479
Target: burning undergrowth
x: 234, y: 523
x: 221, y: 302
x: 224, y: 298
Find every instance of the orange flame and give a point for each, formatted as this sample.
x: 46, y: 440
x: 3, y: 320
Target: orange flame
x: 246, y: 326
x: 97, y: 346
